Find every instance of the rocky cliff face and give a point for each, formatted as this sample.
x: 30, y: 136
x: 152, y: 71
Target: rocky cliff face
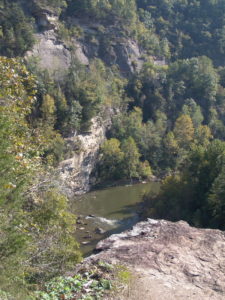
x: 74, y: 173
x: 51, y: 54
x: 110, y: 45
x: 56, y: 55
x: 96, y: 41
x: 169, y: 260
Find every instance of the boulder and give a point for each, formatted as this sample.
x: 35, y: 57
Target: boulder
x: 169, y: 260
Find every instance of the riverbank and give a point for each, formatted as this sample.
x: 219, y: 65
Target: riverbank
x: 108, y: 211
x: 123, y: 182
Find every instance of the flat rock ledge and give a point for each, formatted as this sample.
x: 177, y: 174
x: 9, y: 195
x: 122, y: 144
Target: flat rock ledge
x: 170, y: 260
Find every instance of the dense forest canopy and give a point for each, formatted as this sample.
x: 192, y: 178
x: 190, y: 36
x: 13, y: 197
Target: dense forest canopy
x: 168, y: 120
x: 193, y: 28
x: 182, y: 29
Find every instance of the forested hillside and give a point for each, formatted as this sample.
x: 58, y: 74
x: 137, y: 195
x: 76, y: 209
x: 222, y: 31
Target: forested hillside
x: 167, y: 111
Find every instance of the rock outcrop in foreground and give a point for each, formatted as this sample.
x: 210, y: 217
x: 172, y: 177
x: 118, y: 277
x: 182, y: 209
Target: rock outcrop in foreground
x: 171, y: 260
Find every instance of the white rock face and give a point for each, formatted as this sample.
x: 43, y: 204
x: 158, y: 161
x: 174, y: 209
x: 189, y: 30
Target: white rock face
x: 52, y: 55
x: 55, y: 56
x: 74, y: 173
x: 79, y: 53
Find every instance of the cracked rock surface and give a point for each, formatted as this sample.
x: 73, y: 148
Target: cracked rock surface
x: 170, y: 260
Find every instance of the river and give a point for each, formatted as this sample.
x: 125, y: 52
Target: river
x: 104, y: 212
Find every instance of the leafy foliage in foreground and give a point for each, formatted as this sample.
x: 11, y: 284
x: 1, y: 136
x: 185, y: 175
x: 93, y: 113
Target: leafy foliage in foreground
x: 36, y: 229
x: 90, y: 284
x: 95, y: 281
x: 69, y: 287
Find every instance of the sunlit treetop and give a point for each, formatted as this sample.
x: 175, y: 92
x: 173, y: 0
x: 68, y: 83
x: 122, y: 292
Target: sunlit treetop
x: 17, y: 86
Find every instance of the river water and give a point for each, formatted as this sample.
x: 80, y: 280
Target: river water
x: 104, y: 212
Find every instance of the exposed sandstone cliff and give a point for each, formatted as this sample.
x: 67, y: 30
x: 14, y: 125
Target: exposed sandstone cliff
x: 74, y: 173
x: 51, y: 54
x: 169, y: 260
x: 96, y: 41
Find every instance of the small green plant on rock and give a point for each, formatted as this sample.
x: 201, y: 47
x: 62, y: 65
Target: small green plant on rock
x: 124, y: 275
x: 86, y: 286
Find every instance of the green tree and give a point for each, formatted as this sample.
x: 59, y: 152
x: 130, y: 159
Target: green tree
x: 203, y: 135
x: 112, y: 157
x: 145, y: 170
x: 196, y: 194
x: 18, y: 147
x: 48, y: 110
x: 16, y: 30
x: 21, y: 227
x: 171, y: 150
x: 194, y: 111
x: 131, y: 158
x: 184, y: 131
x: 52, y: 226
x: 216, y: 202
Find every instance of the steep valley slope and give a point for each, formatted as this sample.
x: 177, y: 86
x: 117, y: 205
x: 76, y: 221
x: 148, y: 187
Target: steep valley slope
x: 167, y: 260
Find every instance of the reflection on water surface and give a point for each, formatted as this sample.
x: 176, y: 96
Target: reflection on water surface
x: 104, y: 212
